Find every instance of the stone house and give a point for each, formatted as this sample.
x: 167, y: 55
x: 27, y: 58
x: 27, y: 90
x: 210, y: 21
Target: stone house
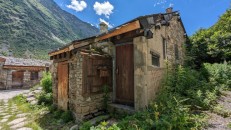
x: 130, y: 59
x: 21, y: 73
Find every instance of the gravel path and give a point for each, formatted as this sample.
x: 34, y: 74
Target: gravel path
x: 218, y: 122
x: 8, y: 94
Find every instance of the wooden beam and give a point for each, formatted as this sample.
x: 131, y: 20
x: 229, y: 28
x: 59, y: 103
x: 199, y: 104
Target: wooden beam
x: 35, y: 68
x: 2, y: 59
x: 81, y: 44
x: 123, y: 29
x: 59, y: 51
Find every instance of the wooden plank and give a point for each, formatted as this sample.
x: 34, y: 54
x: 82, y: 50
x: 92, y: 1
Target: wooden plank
x: 92, y: 81
x: 81, y: 44
x: 17, y: 79
x: 125, y: 74
x: 2, y: 59
x: 123, y: 29
x: 34, y: 68
x: 59, y: 51
x: 63, y: 86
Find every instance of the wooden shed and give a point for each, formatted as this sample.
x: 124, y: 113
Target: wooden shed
x: 132, y: 62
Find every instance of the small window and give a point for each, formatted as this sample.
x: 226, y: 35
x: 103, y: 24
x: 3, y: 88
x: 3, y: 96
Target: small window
x: 164, y: 48
x: 34, y: 76
x: 155, y: 59
x: 176, y: 52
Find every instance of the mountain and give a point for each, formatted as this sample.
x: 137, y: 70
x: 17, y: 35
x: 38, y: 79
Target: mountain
x: 37, y: 27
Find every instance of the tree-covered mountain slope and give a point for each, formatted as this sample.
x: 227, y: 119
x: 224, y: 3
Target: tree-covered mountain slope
x: 38, y: 26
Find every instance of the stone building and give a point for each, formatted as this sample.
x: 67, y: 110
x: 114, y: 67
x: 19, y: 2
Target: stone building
x: 20, y: 73
x: 131, y: 59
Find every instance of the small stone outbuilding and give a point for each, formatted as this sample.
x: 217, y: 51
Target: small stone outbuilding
x: 18, y: 73
x: 131, y: 59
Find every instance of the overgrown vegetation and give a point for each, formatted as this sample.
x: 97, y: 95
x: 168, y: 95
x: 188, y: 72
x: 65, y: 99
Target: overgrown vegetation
x: 105, y: 96
x: 45, y: 97
x: 183, y: 97
x: 44, y: 115
x: 212, y: 45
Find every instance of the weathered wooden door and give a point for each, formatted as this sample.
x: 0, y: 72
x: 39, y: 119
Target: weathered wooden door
x: 17, y: 79
x: 125, y: 74
x: 63, y: 85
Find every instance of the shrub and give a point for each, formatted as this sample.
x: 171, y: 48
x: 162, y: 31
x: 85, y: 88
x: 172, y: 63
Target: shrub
x: 67, y: 116
x: 103, y: 126
x: 45, y: 98
x: 85, y: 126
x: 46, y: 82
x: 58, y: 113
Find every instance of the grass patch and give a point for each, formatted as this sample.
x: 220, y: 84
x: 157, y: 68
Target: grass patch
x: 52, y: 119
x: 229, y: 125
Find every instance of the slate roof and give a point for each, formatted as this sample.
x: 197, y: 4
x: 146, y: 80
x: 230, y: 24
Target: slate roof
x: 11, y: 61
x: 146, y: 22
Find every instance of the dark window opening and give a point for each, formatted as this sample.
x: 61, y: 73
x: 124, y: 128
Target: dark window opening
x: 176, y: 52
x: 34, y: 76
x: 65, y: 55
x: 164, y: 48
x: 155, y: 59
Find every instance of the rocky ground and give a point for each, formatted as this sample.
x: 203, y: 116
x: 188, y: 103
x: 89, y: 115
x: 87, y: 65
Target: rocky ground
x: 11, y: 118
x: 220, y: 119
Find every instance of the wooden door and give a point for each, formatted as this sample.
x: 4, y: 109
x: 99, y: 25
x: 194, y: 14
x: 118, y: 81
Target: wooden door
x: 63, y: 85
x: 17, y: 79
x: 125, y: 74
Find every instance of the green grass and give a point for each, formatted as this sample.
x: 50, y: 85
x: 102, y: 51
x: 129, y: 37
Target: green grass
x: 229, y: 125
x: 51, y: 120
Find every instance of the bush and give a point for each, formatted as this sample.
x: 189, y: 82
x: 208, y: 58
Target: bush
x: 58, y: 113
x: 45, y: 98
x: 184, y: 93
x: 103, y: 126
x: 46, y: 82
x: 85, y: 126
x: 67, y: 116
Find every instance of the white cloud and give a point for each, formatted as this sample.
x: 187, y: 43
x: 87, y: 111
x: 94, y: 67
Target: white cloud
x: 77, y: 5
x: 108, y: 24
x: 160, y: 2
x: 104, y: 8
x: 171, y: 5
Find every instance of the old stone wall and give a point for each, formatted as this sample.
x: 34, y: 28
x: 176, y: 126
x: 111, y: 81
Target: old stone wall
x: 175, y: 36
x: 27, y: 82
x: 54, y: 74
x: 155, y: 79
x: 81, y: 105
x: 3, y: 77
x: 147, y: 77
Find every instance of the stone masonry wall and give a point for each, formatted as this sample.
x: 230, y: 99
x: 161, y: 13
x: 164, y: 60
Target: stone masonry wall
x: 3, y: 76
x: 27, y: 82
x: 148, y: 78
x: 54, y: 74
x: 79, y: 104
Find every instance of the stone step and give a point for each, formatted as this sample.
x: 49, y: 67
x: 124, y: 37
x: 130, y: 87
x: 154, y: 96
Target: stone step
x: 120, y: 109
x: 99, y: 119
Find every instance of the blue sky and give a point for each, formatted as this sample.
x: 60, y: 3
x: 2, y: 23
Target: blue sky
x: 195, y: 14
